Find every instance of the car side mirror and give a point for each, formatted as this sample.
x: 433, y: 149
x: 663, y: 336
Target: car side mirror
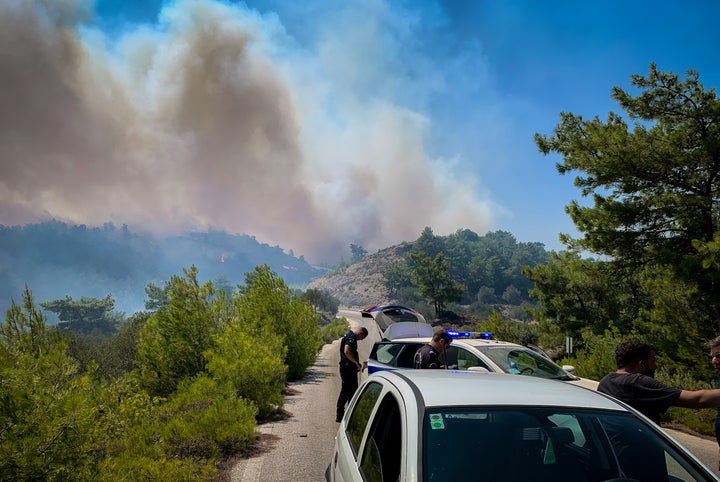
x: 569, y: 368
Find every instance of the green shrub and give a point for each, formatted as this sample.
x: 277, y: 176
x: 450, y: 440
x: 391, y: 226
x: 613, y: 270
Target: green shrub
x: 206, y: 420
x: 252, y: 364
x: 595, y: 356
x: 132, y: 467
x: 334, y: 330
x: 266, y: 304
x: 173, y: 339
x: 700, y: 420
x: 49, y: 422
x: 509, y: 330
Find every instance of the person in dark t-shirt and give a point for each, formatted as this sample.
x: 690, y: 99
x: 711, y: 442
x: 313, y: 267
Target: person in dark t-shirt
x: 350, y: 365
x: 634, y: 383
x: 428, y: 356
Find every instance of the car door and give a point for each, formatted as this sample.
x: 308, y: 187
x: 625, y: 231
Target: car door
x: 372, y: 445
x: 389, y: 355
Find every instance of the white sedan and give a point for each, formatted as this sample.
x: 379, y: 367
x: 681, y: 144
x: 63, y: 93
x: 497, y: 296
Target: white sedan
x: 474, y: 354
x: 437, y: 425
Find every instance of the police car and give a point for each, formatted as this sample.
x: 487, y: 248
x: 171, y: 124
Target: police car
x: 469, y: 351
x: 450, y: 425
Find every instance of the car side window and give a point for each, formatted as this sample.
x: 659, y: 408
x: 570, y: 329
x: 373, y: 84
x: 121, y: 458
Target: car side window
x: 383, y: 449
x: 387, y: 352
x: 465, y: 359
x: 360, y: 415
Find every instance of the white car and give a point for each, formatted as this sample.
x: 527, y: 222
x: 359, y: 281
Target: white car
x: 474, y: 354
x: 438, y: 425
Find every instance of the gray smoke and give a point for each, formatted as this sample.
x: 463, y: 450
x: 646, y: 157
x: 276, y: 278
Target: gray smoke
x: 215, y: 118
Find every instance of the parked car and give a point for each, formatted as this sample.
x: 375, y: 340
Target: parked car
x: 475, y: 354
x: 387, y: 315
x: 438, y: 425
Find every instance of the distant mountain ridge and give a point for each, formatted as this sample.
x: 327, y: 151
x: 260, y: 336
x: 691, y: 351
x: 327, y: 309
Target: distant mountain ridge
x: 56, y: 260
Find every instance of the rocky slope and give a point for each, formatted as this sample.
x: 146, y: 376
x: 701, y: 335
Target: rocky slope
x: 361, y: 284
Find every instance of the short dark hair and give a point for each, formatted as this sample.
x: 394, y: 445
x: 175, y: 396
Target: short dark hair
x: 442, y: 335
x: 631, y: 351
x: 714, y: 342
x: 363, y: 330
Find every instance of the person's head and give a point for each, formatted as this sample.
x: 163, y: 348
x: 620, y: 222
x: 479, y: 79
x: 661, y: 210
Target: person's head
x: 441, y: 340
x: 636, y: 356
x: 714, y: 346
x: 361, y: 333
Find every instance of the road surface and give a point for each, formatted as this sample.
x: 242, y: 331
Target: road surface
x: 299, y: 448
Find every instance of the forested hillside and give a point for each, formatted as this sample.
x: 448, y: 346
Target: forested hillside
x: 57, y: 260
x: 487, y: 271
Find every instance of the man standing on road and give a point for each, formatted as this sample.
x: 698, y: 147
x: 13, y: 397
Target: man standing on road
x: 634, y: 383
x: 428, y: 356
x: 715, y: 360
x: 350, y: 365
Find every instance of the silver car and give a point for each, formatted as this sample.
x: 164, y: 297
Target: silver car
x: 447, y: 425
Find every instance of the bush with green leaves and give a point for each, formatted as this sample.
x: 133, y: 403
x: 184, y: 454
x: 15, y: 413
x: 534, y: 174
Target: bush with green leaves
x: 595, y: 356
x: 135, y: 445
x: 206, y: 420
x: 252, y: 363
x: 174, y: 339
x: 509, y: 330
x: 266, y: 303
x: 323, y: 301
x: 50, y: 425
x: 700, y: 420
x: 334, y: 330
x: 207, y: 366
x: 114, y: 355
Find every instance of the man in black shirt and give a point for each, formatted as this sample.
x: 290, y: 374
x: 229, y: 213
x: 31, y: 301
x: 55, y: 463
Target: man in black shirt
x: 634, y: 383
x: 428, y: 356
x: 350, y: 365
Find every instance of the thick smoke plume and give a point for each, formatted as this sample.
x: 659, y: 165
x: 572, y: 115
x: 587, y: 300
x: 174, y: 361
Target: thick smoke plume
x: 215, y: 117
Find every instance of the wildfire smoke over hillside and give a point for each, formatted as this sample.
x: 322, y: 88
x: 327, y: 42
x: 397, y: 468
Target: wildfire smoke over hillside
x: 214, y: 117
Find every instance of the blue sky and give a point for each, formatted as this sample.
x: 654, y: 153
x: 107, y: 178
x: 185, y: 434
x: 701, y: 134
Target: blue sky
x: 317, y: 124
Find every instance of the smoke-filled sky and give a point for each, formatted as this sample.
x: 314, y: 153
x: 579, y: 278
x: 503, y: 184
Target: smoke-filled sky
x: 314, y: 124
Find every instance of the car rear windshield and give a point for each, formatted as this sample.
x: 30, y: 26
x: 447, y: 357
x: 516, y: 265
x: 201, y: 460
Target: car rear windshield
x: 548, y: 444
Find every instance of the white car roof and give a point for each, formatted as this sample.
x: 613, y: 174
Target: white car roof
x: 467, y: 388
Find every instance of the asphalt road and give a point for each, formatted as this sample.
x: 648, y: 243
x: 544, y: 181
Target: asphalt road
x: 299, y: 447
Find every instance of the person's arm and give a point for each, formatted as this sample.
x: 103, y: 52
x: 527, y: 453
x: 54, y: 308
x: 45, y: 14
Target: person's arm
x: 351, y: 356
x: 699, y: 398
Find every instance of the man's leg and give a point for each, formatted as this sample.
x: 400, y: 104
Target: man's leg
x: 342, y: 398
x: 348, y: 387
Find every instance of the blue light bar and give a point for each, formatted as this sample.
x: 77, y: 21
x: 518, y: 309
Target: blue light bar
x: 458, y: 334
x: 483, y: 335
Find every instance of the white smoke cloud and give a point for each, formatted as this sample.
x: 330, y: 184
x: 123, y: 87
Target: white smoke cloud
x: 215, y: 117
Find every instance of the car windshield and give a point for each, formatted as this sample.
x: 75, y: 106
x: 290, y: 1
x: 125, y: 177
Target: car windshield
x: 523, y: 361
x: 547, y: 444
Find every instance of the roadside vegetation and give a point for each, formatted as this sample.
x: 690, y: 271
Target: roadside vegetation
x: 168, y: 396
